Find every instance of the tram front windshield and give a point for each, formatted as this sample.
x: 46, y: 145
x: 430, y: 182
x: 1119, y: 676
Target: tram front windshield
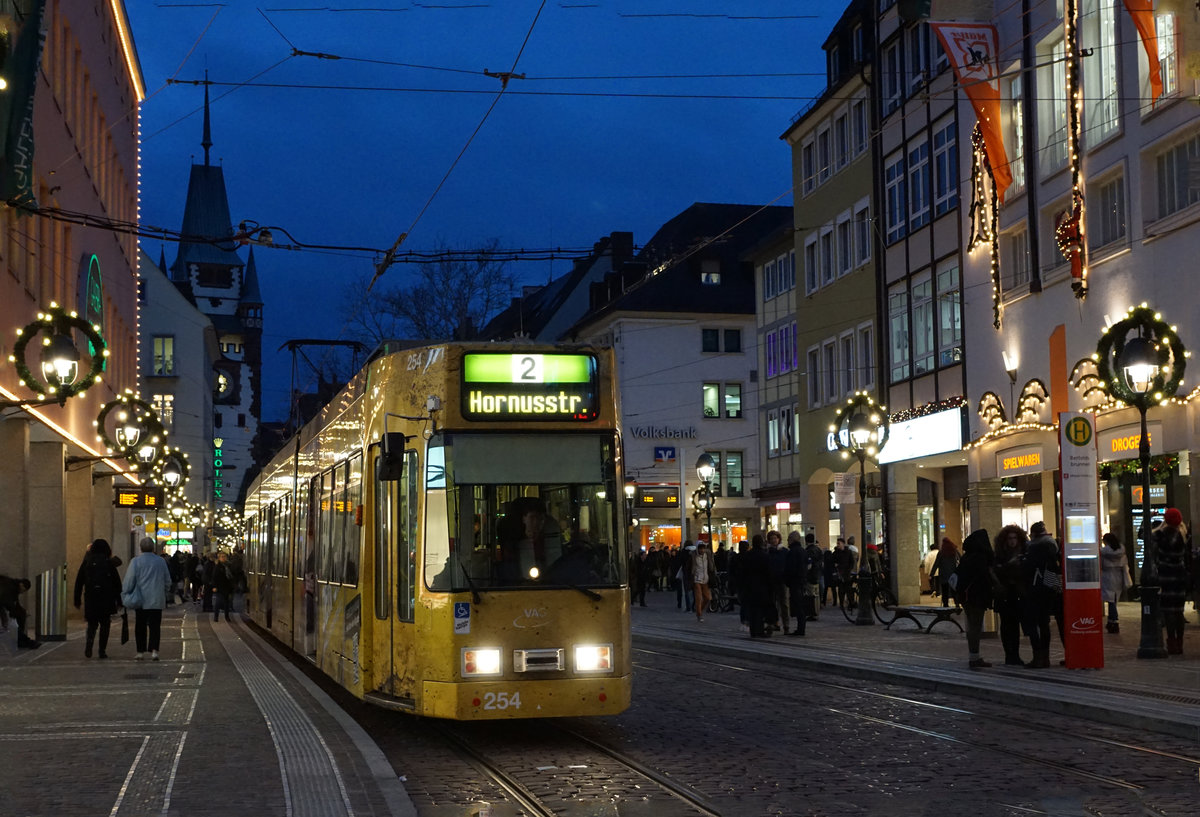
x: 521, y: 511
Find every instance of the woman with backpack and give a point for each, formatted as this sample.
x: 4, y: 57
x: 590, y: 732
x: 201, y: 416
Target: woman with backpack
x: 98, y: 592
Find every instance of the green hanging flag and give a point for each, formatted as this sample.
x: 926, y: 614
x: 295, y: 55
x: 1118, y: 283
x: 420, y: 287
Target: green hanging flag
x: 21, y: 39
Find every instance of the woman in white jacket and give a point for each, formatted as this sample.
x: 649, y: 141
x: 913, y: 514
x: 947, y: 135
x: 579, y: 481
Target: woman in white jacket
x: 1114, y: 576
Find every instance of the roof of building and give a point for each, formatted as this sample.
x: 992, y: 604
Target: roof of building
x: 206, y: 216
x: 250, y: 294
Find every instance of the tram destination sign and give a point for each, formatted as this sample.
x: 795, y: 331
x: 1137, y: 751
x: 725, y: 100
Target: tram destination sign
x: 528, y: 386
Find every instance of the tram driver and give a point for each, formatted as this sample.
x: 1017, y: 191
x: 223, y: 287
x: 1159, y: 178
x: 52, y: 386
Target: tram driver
x: 541, y: 542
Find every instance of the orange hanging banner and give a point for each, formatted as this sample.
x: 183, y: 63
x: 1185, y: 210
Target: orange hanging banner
x: 973, y: 49
x: 1142, y: 13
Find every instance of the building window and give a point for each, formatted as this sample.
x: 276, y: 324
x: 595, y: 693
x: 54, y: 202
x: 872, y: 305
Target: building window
x: 710, y: 340
x: 918, y: 58
x: 857, y: 50
x: 163, y: 348
x: 831, y: 64
x: 733, y: 400
x: 858, y: 122
x: 734, y: 485
x: 945, y: 169
x: 862, y: 234
x: 710, y: 272
x: 795, y: 348
x: 164, y: 407
x: 891, y: 77
x: 787, y: 440
x: 827, y: 260
x: 848, y: 363
x: 785, y: 343
x: 808, y: 165
x: 217, y: 419
x: 772, y: 434
x: 1101, y: 114
x: 1168, y: 53
x: 824, y: 158
x: 768, y: 279
x: 845, y: 247
x: 895, y: 197
x: 814, y: 377
x: 811, y: 281
x: 712, y: 399
x: 866, y: 357
x: 841, y: 140
x: 716, y: 479
x: 1014, y: 267
x: 922, y: 323
x: 829, y: 369
x: 1052, y: 107
x: 791, y: 265
x: 898, y: 331
x: 949, y: 296
x: 918, y: 185
x: 1173, y: 170
x: 733, y: 341
x: 772, y: 354
x: 1107, y: 213
x: 1015, y: 138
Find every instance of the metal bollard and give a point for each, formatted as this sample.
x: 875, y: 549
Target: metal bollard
x: 50, y: 590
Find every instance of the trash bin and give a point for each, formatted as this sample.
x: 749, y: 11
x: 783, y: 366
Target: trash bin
x: 50, y: 591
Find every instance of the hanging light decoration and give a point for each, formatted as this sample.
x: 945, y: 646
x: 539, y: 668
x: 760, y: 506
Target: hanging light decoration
x: 60, y: 358
x: 984, y: 215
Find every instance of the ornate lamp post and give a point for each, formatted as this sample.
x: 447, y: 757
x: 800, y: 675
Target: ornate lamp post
x: 138, y: 435
x: 862, y: 429
x: 1141, y: 361
x: 705, y: 470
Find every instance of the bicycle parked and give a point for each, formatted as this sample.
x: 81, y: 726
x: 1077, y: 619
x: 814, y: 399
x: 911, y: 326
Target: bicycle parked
x: 882, y: 597
x: 724, y: 598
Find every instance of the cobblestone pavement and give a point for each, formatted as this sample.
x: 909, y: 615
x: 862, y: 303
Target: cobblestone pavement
x: 214, y: 728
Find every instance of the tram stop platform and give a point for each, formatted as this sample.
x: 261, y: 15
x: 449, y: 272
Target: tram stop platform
x: 221, y: 722
x: 1161, y: 695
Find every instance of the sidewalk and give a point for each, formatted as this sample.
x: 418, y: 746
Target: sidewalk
x: 1160, y: 695
x: 220, y: 725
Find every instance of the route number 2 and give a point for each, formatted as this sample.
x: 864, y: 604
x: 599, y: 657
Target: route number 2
x: 502, y: 700
x: 528, y: 369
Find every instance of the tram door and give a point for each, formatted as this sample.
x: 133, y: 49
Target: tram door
x: 394, y: 488
x: 268, y: 591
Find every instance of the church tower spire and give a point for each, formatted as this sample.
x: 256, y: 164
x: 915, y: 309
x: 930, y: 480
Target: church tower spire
x: 206, y: 139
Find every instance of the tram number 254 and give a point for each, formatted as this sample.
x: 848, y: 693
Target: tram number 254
x: 502, y: 700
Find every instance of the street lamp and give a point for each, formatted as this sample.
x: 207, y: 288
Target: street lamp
x: 705, y: 470
x: 59, y: 359
x: 1140, y: 370
x: 630, y: 493
x: 138, y: 433
x: 862, y: 429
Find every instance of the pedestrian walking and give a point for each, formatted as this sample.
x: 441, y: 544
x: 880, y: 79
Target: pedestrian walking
x: 812, y: 573
x: 98, y: 593
x: 798, y: 565
x: 1170, y: 556
x: 1043, y: 592
x: 974, y: 580
x: 943, y: 568
x: 147, y: 583
x: 777, y: 558
x: 1114, y: 577
x: 1010, y: 590
x: 11, y: 609
x: 223, y: 584
x: 755, y: 574
x: 701, y: 568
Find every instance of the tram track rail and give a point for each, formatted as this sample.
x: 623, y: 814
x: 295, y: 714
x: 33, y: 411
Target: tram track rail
x: 1064, y: 768
x: 523, y: 796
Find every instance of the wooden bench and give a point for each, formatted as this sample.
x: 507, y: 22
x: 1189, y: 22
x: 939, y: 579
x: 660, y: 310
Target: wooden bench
x: 934, y: 614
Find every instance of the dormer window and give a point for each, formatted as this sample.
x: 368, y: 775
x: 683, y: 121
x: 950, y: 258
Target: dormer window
x: 831, y: 57
x: 710, y: 271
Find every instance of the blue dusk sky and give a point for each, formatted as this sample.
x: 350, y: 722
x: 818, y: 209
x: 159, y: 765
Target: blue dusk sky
x: 630, y: 111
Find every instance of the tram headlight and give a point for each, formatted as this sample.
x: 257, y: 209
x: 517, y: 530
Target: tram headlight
x: 593, y: 657
x: 476, y: 661
x: 534, y: 572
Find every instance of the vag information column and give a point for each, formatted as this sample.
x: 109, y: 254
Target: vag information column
x: 1083, y: 642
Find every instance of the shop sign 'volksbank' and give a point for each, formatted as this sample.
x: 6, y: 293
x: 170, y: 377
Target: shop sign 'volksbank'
x: 663, y: 433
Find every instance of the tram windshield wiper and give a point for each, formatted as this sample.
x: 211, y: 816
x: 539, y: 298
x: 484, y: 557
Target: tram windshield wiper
x: 591, y: 594
x: 471, y: 584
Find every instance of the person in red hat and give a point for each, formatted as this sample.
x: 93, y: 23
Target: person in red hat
x: 1170, y: 559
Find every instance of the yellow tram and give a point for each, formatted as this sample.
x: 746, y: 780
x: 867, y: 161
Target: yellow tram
x: 448, y: 536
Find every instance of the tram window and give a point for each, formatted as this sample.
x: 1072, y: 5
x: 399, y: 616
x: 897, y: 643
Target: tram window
x: 513, y: 502
x: 406, y: 562
x: 384, y: 497
x: 325, y: 528
x: 351, y: 538
x: 303, y: 541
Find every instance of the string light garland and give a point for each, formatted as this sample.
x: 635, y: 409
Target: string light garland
x: 1033, y: 397
x: 1160, y: 465
x: 1170, y: 356
x: 928, y: 408
x: 1008, y: 430
x: 1071, y: 227
x: 1086, y: 380
x: 991, y: 410
x: 984, y: 215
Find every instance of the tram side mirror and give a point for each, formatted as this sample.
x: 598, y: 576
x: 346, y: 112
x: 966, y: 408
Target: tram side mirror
x: 389, y: 465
